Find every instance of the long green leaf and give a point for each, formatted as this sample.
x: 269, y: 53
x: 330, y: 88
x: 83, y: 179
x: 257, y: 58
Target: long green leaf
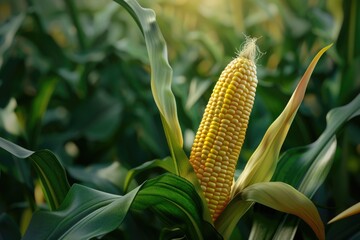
x: 306, y: 169
x: 161, y: 79
x: 285, y: 198
x: 50, y: 171
x: 85, y: 213
x: 161, y: 72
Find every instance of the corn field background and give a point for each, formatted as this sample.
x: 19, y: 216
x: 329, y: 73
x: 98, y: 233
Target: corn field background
x: 75, y: 79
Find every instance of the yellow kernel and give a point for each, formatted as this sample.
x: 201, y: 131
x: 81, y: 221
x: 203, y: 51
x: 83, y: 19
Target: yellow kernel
x: 211, y: 185
x: 218, y: 141
x: 217, y: 169
x: 209, y: 165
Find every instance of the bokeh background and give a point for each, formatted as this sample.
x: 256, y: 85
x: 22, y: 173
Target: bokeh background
x: 74, y: 78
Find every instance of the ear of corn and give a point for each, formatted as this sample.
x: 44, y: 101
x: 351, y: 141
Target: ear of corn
x: 221, y: 133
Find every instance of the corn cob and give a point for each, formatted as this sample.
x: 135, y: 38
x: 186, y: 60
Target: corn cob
x: 221, y: 133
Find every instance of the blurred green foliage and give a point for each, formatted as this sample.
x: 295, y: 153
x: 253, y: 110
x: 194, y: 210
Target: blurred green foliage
x: 74, y: 78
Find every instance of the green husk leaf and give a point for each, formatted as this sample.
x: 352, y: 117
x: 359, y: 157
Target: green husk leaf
x: 262, y: 164
x: 229, y: 218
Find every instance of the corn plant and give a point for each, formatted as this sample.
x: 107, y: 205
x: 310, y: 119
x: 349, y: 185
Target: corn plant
x: 198, y: 197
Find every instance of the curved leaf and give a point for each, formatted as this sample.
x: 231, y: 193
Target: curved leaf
x: 85, y: 209
x: 262, y: 163
x: 355, y: 209
x: 310, y: 173
x: 161, y: 79
x: 283, y: 197
x: 14, y: 166
x: 161, y: 72
x: 50, y: 171
x: 80, y: 215
x: 52, y: 177
x: 176, y: 201
x: 306, y: 169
